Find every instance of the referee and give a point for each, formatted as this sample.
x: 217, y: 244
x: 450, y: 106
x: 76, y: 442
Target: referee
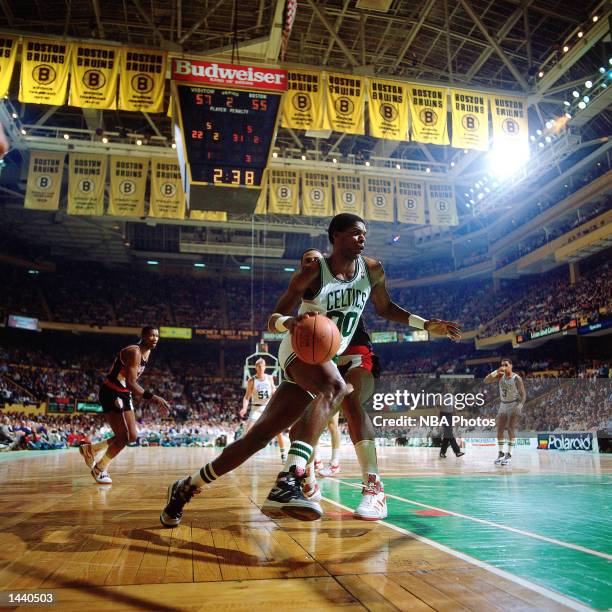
x: 448, y: 437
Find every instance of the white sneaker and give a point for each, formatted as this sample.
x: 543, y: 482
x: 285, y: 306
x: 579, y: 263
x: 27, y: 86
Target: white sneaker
x: 500, y: 459
x: 100, y: 476
x: 330, y: 470
x: 507, y: 460
x: 373, y: 505
x: 87, y: 454
x: 311, y: 491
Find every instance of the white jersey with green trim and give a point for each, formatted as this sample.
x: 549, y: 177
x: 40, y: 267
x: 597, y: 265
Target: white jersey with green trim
x: 508, y: 389
x: 342, y: 301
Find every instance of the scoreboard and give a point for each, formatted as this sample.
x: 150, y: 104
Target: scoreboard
x: 224, y: 134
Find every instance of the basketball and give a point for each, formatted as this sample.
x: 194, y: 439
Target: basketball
x: 315, y: 339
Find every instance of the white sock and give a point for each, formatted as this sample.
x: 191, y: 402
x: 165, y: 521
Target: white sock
x: 335, y: 453
x: 204, y: 476
x: 366, y: 455
x: 299, y: 455
x: 311, y: 478
x: 315, y: 453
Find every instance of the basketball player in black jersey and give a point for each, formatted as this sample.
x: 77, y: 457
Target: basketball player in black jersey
x: 116, y: 394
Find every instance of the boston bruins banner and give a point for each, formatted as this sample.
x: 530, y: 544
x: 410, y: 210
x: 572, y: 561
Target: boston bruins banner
x: 86, y: 181
x: 344, y: 104
x: 167, y: 196
x: 442, y: 208
x: 93, y: 78
x: 379, y: 198
x: 470, y: 111
x: 410, y: 201
x: 128, y: 181
x: 283, y: 192
x: 316, y: 194
x: 428, y: 107
x: 510, y: 125
x: 143, y: 75
x: 8, y: 53
x: 304, y: 101
x: 388, y: 109
x: 261, y: 208
x: 348, y: 190
x: 44, y: 71
x: 44, y: 180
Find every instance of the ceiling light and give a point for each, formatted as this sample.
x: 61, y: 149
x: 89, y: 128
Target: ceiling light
x: 105, y: 140
x: 173, y: 145
x: 580, y: 34
x: 152, y: 262
x: 66, y: 136
x: 588, y: 84
x: 595, y: 18
x: 139, y: 142
x: 428, y: 170
x: 565, y: 49
x: 334, y: 160
x: 367, y: 164
x: 199, y: 264
x: 576, y: 93
x: 540, y: 74
x: 274, y: 154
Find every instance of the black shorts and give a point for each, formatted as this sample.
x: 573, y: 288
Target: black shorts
x: 114, y: 401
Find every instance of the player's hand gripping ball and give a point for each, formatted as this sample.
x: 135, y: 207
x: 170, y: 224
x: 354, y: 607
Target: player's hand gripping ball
x: 315, y: 339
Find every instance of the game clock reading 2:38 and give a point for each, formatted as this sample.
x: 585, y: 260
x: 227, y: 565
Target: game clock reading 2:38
x: 227, y: 133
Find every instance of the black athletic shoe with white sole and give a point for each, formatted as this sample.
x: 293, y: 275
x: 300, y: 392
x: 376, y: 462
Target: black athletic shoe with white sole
x: 287, y: 497
x: 179, y: 493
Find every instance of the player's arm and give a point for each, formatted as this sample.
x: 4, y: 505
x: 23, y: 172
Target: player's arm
x: 387, y: 309
x: 493, y: 376
x: 521, y: 387
x: 281, y: 320
x: 248, y: 393
x: 131, y: 360
x: 272, y: 385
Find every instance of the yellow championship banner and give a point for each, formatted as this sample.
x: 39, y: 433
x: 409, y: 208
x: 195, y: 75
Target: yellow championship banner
x: 316, y: 194
x: 86, y: 180
x: 93, y: 76
x: 428, y: 108
x: 410, y: 201
x: 261, y: 208
x: 470, y: 112
x: 167, y: 195
x: 44, y: 71
x: 143, y: 76
x: 345, y: 102
x: 283, y: 192
x: 388, y: 109
x: 348, y: 191
x: 510, y: 125
x: 379, y: 198
x: 207, y: 215
x: 442, y: 208
x: 44, y: 180
x: 304, y: 101
x: 8, y: 54
x: 128, y: 182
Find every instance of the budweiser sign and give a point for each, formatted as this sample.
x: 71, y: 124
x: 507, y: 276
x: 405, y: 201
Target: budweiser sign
x: 213, y: 73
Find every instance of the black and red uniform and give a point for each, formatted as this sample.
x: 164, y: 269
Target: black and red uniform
x: 359, y: 353
x: 115, y: 395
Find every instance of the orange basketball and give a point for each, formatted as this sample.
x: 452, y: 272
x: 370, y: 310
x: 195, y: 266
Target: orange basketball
x: 315, y: 339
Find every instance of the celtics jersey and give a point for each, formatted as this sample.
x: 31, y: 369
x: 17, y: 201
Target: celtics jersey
x: 508, y: 389
x: 262, y: 391
x: 342, y: 301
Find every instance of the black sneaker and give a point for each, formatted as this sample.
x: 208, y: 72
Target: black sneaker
x: 442, y: 455
x: 179, y: 493
x: 459, y: 454
x: 287, y: 497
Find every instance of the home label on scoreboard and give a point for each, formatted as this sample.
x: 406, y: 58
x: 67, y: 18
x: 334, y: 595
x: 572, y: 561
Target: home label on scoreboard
x: 224, y: 132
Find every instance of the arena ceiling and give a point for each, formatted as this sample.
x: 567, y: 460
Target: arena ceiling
x: 497, y: 44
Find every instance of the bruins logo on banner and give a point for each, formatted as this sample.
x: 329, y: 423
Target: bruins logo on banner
x: 304, y: 101
x: 44, y: 180
x: 128, y: 180
x: 388, y: 109
x: 470, y: 111
x: 143, y: 76
x: 44, y: 71
x: 428, y: 108
x: 316, y: 194
x: 442, y: 208
x: 8, y: 53
x: 348, y: 191
x: 510, y: 124
x: 379, y: 198
x: 410, y: 201
x: 93, y: 80
x: 167, y: 195
x: 283, y: 192
x: 344, y: 104
x: 86, y: 181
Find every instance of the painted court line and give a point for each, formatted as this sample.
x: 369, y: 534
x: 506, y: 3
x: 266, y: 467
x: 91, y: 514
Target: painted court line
x: 528, y: 534
x: 552, y: 595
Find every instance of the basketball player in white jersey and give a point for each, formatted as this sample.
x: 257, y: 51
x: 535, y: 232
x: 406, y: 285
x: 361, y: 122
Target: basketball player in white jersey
x: 259, y: 390
x: 339, y: 288
x: 512, y: 399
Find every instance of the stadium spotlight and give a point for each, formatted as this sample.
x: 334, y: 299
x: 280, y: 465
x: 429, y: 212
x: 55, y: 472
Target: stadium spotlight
x: 610, y: 61
x: 580, y: 34
x: 173, y: 145
x: 567, y: 103
x: 595, y: 18
x: 367, y: 163
x: 152, y: 262
x: 245, y: 267
x: 586, y: 99
x: 532, y: 138
x: 541, y: 145
x: 539, y: 132
x: 549, y: 124
x: 66, y: 136
x: 576, y: 93
x: 505, y: 160
x: 541, y: 74
x: 139, y: 142
x: 588, y: 84
x: 398, y: 166
x: 274, y: 154
x: 452, y: 164
x: 548, y: 139
x: 480, y: 196
x: 303, y: 157
x: 602, y: 70
x: 104, y: 139
x: 428, y: 169
x: 334, y: 160
x: 14, y: 115
x: 568, y: 115
x: 581, y: 105
x: 23, y: 131
x: 565, y: 48
x: 199, y: 264
x: 472, y: 202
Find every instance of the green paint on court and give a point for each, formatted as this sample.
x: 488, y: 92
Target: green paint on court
x: 573, y: 509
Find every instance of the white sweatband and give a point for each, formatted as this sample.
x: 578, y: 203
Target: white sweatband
x: 416, y: 321
x: 495, y: 374
x: 279, y: 324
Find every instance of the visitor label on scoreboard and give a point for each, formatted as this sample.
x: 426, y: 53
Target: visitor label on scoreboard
x: 442, y: 208
x: 94, y: 74
x: 143, y: 77
x: 428, y: 109
x: 44, y: 71
x: 304, y: 101
x: 379, y: 198
x: 410, y: 201
x: 213, y: 73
